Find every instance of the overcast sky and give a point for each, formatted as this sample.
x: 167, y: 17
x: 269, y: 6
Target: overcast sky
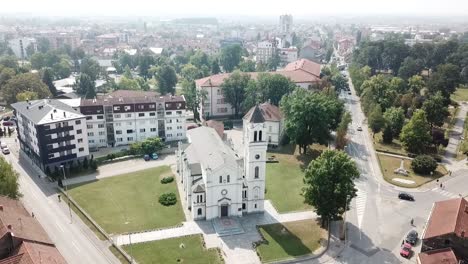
x: 232, y: 7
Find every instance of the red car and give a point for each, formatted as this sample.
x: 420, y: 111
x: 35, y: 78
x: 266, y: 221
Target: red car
x: 405, y: 250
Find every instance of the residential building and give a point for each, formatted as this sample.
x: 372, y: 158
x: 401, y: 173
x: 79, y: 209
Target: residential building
x: 288, y: 55
x: 265, y: 51
x: 304, y: 73
x: 115, y: 120
x: 438, y: 256
x: 22, y: 239
x: 274, y: 122
x: 286, y: 24
x: 217, y: 181
x: 19, y: 46
x: 447, y: 227
x: 50, y: 132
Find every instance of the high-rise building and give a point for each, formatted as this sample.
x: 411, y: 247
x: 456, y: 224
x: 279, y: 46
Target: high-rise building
x: 286, y: 24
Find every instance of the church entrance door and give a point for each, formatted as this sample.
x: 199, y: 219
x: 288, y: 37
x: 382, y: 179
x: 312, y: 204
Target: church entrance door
x: 224, y: 210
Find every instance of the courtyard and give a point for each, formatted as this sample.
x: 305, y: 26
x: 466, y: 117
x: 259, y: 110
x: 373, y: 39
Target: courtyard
x: 189, y: 249
x: 291, y: 239
x: 129, y: 202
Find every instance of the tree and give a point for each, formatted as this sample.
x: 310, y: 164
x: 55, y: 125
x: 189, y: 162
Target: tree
x: 128, y: 84
x: 342, y: 130
x: 340, y: 82
x: 247, y: 66
x: 387, y: 134
x: 415, y: 135
x: 85, y: 86
x: 424, y: 164
x: 398, y: 85
x: 445, y: 79
x: 144, y: 64
x: 410, y: 67
x: 5, y: 75
x: 309, y: 117
x: 394, y: 119
x: 24, y: 96
x: 22, y: 83
x: 127, y: 72
x: 234, y: 88
x: 43, y: 45
x: 376, y: 120
x: 48, y: 79
x: 147, y: 146
x: 38, y: 61
x: 274, y: 61
x: 8, y: 180
x: 415, y: 84
x: 90, y: 67
x: 358, y: 76
x: 199, y: 59
x: 436, y: 110
x: 273, y: 87
x: 193, y: 97
x: 190, y: 72
x: 230, y: 57
x: 167, y: 79
x: 394, y: 52
x: 329, y: 184
x: 215, y: 67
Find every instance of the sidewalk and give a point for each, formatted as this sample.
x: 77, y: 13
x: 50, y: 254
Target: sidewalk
x: 454, y: 135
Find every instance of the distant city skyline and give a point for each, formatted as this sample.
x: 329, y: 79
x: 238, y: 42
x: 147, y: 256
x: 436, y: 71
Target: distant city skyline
x: 218, y: 8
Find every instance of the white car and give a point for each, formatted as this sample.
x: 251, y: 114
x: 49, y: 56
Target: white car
x: 3, y: 145
x: 359, y: 128
x: 6, y: 150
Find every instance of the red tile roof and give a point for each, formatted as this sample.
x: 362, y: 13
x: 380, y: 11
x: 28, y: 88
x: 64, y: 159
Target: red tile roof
x: 17, y: 259
x: 304, y: 65
x: 450, y: 216
x: 269, y: 112
x: 218, y: 126
x: 438, y: 256
x: 130, y: 93
x: 22, y: 227
x: 39, y: 253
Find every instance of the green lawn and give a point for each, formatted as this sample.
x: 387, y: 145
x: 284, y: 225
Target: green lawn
x: 396, y: 146
x: 461, y: 94
x: 171, y: 251
x: 389, y: 164
x: 289, y: 171
x: 129, y: 203
x: 290, y: 239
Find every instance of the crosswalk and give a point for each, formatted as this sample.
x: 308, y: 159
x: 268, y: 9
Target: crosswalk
x: 444, y: 192
x: 361, y: 200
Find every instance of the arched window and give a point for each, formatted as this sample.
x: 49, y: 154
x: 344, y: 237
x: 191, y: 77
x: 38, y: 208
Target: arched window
x: 256, y: 172
x: 228, y: 178
x: 256, y: 192
x: 255, y: 136
x: 220, y: 179
x: 199, y: 211
x: 260, y: 135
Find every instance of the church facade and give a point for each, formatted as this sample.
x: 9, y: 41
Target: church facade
x: 218, y: 181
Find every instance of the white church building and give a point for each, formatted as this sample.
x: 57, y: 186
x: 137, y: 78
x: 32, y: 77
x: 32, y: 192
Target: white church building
x: 217, y: 181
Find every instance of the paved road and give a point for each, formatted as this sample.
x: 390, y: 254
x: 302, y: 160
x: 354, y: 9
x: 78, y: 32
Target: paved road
x: 454, y: 135
x: 73, y: 239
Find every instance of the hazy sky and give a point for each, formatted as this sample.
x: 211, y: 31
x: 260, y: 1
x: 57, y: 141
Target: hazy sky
x: 232, y: 7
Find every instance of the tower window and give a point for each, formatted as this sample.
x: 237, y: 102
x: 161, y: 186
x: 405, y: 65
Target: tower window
x: 220, y: 179
x: 260, y: 136
x: 228, y: 178
x: 255, y: 136
x: 199, y: 211
x: 256, y: 172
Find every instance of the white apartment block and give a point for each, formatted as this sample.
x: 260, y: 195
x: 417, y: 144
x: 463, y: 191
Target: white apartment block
x: 51, y: 133
x: 265, y: 51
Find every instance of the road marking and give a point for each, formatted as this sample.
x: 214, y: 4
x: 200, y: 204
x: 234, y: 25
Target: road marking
x: 445, y: 193
x: 361, y: 200
x: 59, y: 226
x: 77, y: 249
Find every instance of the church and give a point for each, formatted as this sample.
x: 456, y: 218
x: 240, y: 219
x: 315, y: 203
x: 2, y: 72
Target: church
x: 217, y: 180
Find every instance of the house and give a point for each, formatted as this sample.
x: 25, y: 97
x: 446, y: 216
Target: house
x: 274, y: 122
x: 304, y: 73
x: 218, y: 181
x: 447, y: 227
x: 437, y: 256
x: 22, y: 239
x: 50, y: 132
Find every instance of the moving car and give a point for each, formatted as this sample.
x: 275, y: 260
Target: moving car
x: 5, y: 150
x: 349, y: 93
x: 412, y: 237
x: 359, y: 128
x: 3, y: 145
x: 406, y: 196
x: 405, y: 250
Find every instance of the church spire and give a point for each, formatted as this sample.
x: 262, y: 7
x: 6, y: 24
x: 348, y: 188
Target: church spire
x: 256, y: 116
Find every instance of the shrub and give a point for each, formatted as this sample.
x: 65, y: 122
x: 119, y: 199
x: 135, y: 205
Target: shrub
x: 167, y: 180
x: 168, y: 199
x: 424, y: 164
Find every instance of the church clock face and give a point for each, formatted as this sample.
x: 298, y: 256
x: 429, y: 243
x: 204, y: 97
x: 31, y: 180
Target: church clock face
x: 257, y: 156
x: 224, y: 192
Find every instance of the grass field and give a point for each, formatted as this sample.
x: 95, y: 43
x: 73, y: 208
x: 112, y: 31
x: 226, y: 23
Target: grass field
x: 396, y: 146
x: 389, y: 164
x: 289, y: 171
x: 170, y: 251
x: 290, y: 239
x: 129, y: 203
x: 461, y: 94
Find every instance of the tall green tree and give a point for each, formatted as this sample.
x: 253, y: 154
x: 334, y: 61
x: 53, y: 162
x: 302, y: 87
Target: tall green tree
x: 167, y: 79
x: 395, y: 119
x: 199, y: 59
x: 341, y: 131
x: 339, y: 82
x: 191, y: 72
x: 309, y: 117
x: 193, y: 97
x: 62, y: 69
x: 415, y: 135
x: 85, y: 86
x: 27, y: 95
x: 376, y: 119
x: 22, y: 83
x: 145, y: 61
x: 43, y: 45
x: 445, y: 79
x: 247, y: 66
x: 9, y: 185
x: 5, y: 75
x: 329, y: 184
x: 48, y: 79
x: 234, y: 88
x: 436, y: 110
x: 415, y: 84
x: 410, y: 67
x: 230, y: 57
x: 90, y: 67
x: 215, y: 67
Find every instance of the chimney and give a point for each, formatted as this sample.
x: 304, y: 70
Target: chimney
x: 120, y: 99
x: 64, y: 114
x: 51, y: 116
x: 1, y: 207
x: 9, y: 227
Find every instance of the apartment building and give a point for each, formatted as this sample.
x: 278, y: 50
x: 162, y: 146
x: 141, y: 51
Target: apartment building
x: 50, y: 132
x: 116, y: 121
x: 265, y: 51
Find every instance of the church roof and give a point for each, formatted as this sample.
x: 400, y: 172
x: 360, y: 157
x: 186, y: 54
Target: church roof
x: 195, y: 169
x: 269, y: 112
x: 200, y: 188
x: 208, y: 149
x: 255, y: 115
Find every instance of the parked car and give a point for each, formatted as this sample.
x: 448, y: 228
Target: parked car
x: 8, y: 123
x: 406, y: 196
x: 359, y: 128
x: 3, y: 145
x: 153, y: 156
x: 405, y: 250
x: 412, y: 237
x: 6, y: 118
x: 349, y: 93
x: 5, y: 150
x: 192, y: 126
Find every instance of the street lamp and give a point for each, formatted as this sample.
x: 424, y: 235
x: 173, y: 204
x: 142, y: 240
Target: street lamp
x: 64, y: 177
x: 69, y: 207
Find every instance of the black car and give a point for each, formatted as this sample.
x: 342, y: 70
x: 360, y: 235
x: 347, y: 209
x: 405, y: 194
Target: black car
x: 406, y: 196
x: 412, y: 237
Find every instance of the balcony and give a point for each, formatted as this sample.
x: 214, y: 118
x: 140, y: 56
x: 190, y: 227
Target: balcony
x: 62, y: 148
x: 58, y: 130
x: 60, y: 139
x: 61, y: 158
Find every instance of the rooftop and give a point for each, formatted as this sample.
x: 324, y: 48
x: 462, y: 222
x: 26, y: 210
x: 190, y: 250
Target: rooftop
x: 304, y: 65
x: 111, y: 100
x: 449, y: 216
x: 438, y: 256
x: 268, y: 111
x: 46, y: 111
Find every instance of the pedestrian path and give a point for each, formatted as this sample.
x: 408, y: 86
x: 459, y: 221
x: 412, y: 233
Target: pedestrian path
x: 444, y: 192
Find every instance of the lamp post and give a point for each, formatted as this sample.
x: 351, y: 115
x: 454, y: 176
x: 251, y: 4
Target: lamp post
x: 69, y: 207
x: 64, y: 177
